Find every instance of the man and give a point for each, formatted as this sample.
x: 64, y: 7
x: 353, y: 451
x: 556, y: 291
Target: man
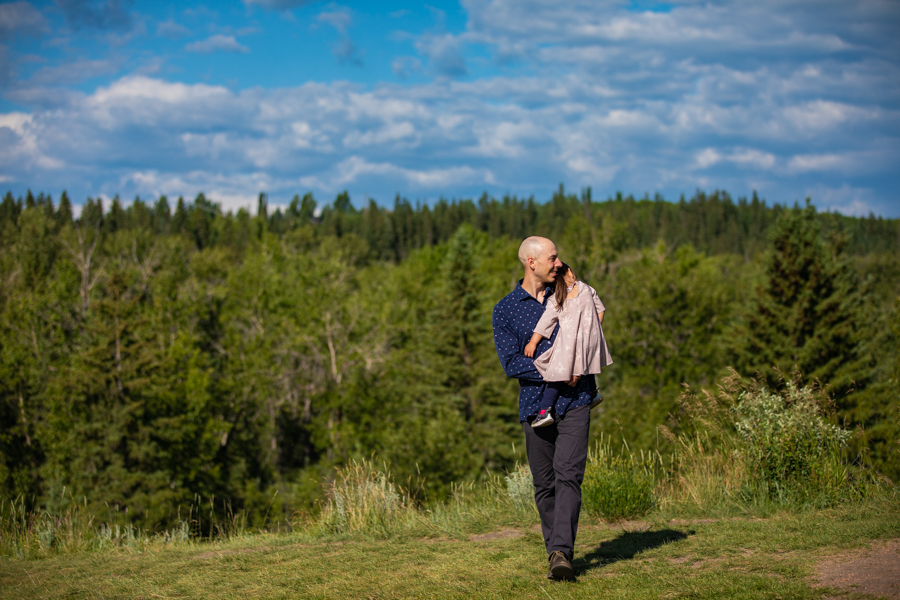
x: 557, y: 453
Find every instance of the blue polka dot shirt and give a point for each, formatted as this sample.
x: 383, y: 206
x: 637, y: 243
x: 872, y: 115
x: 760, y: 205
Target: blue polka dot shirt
x: 514, y: 320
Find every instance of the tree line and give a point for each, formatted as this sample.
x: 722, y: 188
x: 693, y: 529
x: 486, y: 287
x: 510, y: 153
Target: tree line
x: 150, y: 355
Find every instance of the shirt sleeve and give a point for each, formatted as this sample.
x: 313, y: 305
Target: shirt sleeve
x: 515, y: 363
x: 548, y: 320
x: 597, y: 303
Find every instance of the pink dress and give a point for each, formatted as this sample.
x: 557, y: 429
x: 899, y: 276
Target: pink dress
x: 580, y: 347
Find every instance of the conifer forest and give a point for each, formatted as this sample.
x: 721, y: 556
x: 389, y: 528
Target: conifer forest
x: 154, y: 353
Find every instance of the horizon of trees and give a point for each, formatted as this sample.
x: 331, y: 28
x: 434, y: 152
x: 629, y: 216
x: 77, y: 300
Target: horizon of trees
x: 150, y: 355
x: 713, y: 223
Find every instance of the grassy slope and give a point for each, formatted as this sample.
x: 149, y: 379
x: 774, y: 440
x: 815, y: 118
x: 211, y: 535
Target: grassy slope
x: 740, y: 558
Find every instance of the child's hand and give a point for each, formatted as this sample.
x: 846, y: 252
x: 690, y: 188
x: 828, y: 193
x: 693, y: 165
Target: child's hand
x: 575, y: 380
x: 529, y: 349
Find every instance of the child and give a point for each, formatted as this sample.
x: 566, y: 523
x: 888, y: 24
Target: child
x: 580, y: 348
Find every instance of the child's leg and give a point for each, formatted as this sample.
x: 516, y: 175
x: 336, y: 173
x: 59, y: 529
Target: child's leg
x: 551, y: 394
x: 596, y: 398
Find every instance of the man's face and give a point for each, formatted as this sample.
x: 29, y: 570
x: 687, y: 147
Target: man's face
x: 546, y: 264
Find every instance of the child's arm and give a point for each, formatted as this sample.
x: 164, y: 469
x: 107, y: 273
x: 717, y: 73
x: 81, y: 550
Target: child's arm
x: 598, y: 304
x: 544, y: 327
x: 532, y: 345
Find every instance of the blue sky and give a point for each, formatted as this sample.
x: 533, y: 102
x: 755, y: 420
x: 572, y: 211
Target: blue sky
x: 792, y: 98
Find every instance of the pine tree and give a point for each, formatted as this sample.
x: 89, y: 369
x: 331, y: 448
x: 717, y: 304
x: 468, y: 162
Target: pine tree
x: 460, y: 346
x: 806, y: 314
x: 92, y: 213
x: 161, y: 215
x: 117, y: 218
x: 201, y: 221
x: 9, y: 218
x: 180, y: 218
x: 46, y: 203
x: 139, y: 215
x: 64, y: 212
x: 342, y: 203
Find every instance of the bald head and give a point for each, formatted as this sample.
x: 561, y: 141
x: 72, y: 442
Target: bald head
x: 534, y: 247
x: 538, y: 256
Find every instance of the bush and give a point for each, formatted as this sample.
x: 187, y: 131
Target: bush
x: 619, y: 486
x: 791, y: 453
x: 748, y: 447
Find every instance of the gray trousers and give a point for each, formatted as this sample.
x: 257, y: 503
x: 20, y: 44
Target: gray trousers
x: 557, y: 455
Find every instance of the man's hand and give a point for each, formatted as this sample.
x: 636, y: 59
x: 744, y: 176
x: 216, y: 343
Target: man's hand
x: 575, y: 380
x: 530, y: 348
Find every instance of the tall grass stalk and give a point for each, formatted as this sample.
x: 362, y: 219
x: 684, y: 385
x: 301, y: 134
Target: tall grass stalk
x: 620, y: 485
x: 38, y: 533
x: 363, y: 498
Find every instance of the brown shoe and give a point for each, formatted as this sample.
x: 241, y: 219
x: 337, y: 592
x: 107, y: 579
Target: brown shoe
x: 560, y: 567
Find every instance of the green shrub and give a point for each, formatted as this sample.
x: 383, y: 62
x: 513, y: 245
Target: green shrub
x: 619, y: 486
x: 792, y: 454
x: 748, y: 447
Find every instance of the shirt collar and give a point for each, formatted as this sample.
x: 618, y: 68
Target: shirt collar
x: 521, y: 294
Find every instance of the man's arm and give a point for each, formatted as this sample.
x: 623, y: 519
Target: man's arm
x: 514, y: 363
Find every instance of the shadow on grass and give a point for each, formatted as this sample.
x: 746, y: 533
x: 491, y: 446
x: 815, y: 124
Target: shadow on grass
x: 625, y: 547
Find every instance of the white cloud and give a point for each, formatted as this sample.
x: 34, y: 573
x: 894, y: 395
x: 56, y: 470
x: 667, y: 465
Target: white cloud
x: 390, y: 132
x: 822, y: 114
x: 444, y: 54
x: 171, y: 29
x: 74, y: 72
x: 817, y: 162
x: 707, y: 158
x: 742, y: 157
x: 729, y: 95
x: 217, y: 43
x: 753, y: 158
x: 22, y: 143
x: 339, y: 18
x: 279, y: 4
x: 345, y: 50
x: 506, y: 139
x: 355, y: 168
x: 20, y: 18
x: 845, y: 199
x: 15, y: 121
x: 231, y: 191
x: 104, y: 15
x: 405, y: 66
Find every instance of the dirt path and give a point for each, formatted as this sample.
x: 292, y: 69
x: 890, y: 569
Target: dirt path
x: 874, y: 571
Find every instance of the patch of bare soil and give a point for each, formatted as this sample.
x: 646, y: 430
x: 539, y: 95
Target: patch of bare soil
x: 215, y: 553
x: 506, y: 534
x: 630, y: 526
x: 220, y: 553
x: 437, y: 540
x: 688, y: 522
x: 874, y: 571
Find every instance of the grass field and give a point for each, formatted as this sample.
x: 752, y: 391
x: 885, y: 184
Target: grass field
x: 745, y: 557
